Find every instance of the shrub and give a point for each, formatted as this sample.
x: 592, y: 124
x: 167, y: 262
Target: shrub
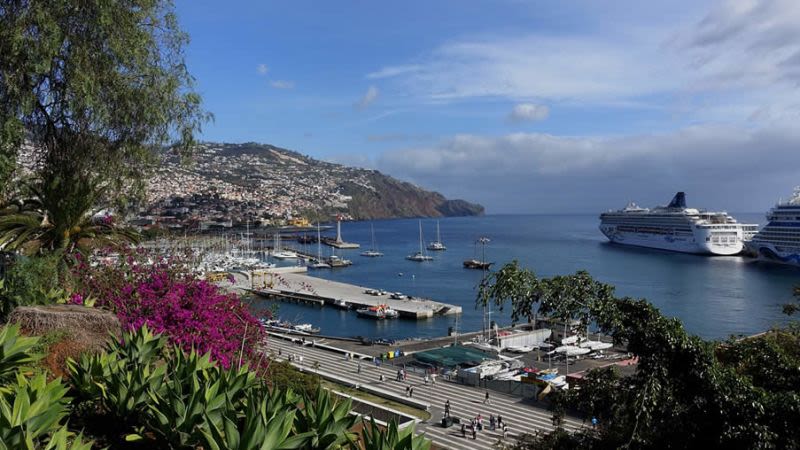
x: 190, y: 312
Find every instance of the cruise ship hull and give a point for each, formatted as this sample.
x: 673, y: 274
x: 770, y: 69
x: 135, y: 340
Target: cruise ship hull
x: 694, y: 244
x: 769, y: 253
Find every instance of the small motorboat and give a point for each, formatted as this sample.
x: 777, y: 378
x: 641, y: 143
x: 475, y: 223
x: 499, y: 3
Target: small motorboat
x: 520, y: 349
x: 341, y: 303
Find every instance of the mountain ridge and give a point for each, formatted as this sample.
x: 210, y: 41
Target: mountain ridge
x: 285, y: 182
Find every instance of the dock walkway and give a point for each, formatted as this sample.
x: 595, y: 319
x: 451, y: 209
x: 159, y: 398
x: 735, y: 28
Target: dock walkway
x: 297, y: 285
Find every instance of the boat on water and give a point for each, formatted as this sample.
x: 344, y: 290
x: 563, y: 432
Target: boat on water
x: 318, y: 263
x: 378, y: 312
x: 288, y: 327
x: 373, y: 249
x: 480, y: 264
x: 437, y: 245
x: 420, y: 255
x: 334, y: 261
x: 279, y: 253
x: 676, y: 228
x: 341, y: 303
x: 779, y: 240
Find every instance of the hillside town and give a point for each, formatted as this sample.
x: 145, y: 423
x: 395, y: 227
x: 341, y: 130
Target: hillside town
x: 225, y: 185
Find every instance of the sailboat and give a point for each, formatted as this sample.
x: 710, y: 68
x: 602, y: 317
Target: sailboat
x: 373, y: 249
x: 420, y: 255
x: 437, y: 244
x: 476, y: 264
x: 318, y: 263
x: 279, y: 253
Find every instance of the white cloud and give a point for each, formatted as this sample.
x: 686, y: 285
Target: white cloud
x: 262, y: 69
x: 528, y: 112
x: 393, y: 71
x: 369, y: 97
x: 282, y: 84
x: 719, y: 167
x: 741, y: 57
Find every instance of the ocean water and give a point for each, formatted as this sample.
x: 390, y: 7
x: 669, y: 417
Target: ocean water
x: 714, y: 296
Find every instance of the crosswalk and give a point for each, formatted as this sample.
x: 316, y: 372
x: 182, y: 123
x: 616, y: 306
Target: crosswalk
x: 466, y: 402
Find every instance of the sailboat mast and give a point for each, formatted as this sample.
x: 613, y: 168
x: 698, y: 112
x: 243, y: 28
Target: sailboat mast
x: 420, y: 237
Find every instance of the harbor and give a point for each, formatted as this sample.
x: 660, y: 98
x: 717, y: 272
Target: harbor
x: 293, y: 283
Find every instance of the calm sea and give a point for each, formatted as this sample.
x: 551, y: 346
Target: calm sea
x: 713, y: 296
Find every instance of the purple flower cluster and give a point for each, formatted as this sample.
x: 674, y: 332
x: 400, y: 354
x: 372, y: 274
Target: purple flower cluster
x: 192, y: 313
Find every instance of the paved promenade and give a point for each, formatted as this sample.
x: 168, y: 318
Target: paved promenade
x: 466, y: 402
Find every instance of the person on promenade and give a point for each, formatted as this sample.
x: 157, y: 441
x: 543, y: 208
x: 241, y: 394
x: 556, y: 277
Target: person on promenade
x: 486, y: 399
x: 499, y: 421
x: 464, y: 430
x: 505, y: 431
x: 491, y: 422
x: 381, y: 378
x: 407, y: 389
x: 433, y: 379
x: 411, y: 392
x: 447, y: 408
x: 474, y: 434
x: 398, y: 376
x: 358, y: 368
x: 426, y: 379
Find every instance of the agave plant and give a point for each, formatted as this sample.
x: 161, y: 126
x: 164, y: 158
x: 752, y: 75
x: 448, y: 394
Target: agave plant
x: 30, y: 410
x: 393, y: 437
x: 328, y: 421
x: 125, y: 376
x: 265, y: 423
x: 15, y: 352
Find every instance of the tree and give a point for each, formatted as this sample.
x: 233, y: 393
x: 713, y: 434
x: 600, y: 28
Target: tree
x: 685, y: 393
x: 91, y: 90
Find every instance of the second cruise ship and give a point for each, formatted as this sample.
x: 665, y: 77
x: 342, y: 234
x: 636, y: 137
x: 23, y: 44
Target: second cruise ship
x: 779, y: 240
x: 677, y: 228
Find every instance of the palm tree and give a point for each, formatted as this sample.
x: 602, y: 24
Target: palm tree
x: 59, y: 216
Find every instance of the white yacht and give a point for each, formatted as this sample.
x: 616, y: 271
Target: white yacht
x: 437, y: 245
x: 373, y: 250
x: 779, y: 240
x: 677, y: 228
x: 279, y: 253
x: 420, y: 255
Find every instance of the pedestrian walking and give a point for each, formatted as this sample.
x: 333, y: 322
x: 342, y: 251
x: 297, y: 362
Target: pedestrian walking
x: 358, y: 368
x: 447, y: 408
x: 491, y: 422
x: 486, y: 399
x: 474, y: 434
x: 381, y: 378
x: 464, y: 430
x: 505, y: 431
x: 433, y: 379
x: 411, y: 392
x: 499, y: 421
x: 594, y: 422
x: 426, y: 379
x: 407, y: 389
x: 280, y: 352
x: 399, y: 375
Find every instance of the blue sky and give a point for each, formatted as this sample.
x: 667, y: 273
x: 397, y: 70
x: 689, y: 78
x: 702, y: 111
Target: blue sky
x: 524, y: 106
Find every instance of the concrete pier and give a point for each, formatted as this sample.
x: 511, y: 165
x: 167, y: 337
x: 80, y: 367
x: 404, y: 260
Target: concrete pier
x: 293, y: 283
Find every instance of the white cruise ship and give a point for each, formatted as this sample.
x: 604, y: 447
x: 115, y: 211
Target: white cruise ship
x: 677, y: 228
x: 779, y: 240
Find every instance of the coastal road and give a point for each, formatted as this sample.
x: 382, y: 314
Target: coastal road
x: 466, y: 402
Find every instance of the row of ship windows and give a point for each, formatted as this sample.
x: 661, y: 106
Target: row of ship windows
x: 777, y: 239
x: 653, y: 230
